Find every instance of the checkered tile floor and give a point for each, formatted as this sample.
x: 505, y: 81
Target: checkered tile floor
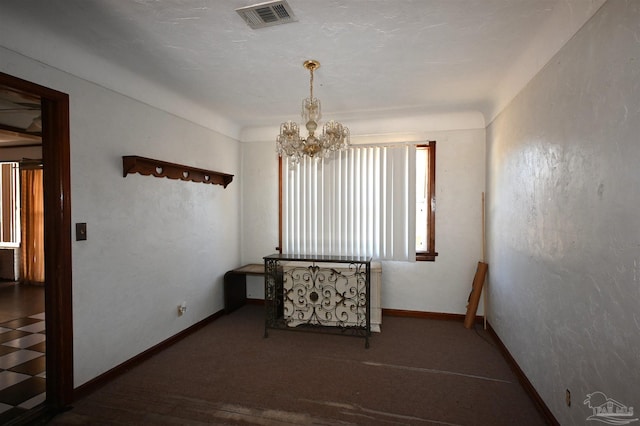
x: 22, y: 365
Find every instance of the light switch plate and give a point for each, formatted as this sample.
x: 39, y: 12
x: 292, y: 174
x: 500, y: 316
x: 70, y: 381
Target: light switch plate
x: 81, y: 231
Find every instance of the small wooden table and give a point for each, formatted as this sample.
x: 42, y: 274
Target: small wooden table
x: 235, y: 285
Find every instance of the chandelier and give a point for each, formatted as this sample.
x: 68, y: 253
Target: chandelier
x: 334, y: 136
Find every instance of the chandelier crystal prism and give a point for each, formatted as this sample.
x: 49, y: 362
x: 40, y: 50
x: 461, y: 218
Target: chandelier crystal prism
x: 334, y: 136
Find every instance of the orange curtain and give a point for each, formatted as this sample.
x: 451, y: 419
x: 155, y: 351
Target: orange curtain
x: 32, y: 225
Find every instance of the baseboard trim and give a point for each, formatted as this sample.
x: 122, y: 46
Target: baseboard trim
x: 522, y: 378
x: 101, y: 380
x: 427, y: 315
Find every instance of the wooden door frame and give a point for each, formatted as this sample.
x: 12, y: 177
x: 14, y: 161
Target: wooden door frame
x: 57, y: 239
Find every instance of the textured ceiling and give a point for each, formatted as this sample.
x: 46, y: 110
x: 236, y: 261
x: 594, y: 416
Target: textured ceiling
x: 380, y: 59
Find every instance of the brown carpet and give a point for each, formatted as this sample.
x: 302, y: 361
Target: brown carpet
x: 416, y: 372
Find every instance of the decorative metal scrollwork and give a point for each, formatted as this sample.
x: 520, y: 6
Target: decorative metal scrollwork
x: 273, y: 292
x: 325, y: 296
x: 298, y: 296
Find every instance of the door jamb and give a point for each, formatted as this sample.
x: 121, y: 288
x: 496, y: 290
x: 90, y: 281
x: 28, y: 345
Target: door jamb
x: 57, y: 239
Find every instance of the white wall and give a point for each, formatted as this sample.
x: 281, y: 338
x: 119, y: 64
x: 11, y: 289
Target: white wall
x: 152, y: 243
x: 259, y: 200
x: 440, y: 286
x: 564, y: 245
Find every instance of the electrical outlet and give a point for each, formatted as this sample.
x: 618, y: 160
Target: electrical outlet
x: 567, y: 397
x: 182, y: 308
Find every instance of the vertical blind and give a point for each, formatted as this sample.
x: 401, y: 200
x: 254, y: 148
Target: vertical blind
x: 360, y: 202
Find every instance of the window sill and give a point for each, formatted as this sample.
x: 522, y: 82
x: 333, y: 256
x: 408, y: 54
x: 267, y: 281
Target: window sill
x: 426, y: 257
x: 7, y: 245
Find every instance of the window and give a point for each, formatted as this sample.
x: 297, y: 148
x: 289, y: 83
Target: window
x: 426, y: 201
x: 374, y: 201
x: 10, y: 204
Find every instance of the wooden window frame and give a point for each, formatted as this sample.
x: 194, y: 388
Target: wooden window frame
x: 430, y: 254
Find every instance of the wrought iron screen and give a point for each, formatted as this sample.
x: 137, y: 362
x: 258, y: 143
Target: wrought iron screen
x: 325, y: 296
x: 308, y: 296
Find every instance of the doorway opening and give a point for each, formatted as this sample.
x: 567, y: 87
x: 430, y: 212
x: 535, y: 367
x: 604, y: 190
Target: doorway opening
x: 48, y: 112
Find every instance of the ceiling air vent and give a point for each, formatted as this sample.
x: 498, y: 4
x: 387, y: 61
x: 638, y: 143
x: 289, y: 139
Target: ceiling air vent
x: 267, y: 14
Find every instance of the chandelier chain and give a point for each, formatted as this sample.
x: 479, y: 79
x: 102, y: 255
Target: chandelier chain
x: 311, y: 84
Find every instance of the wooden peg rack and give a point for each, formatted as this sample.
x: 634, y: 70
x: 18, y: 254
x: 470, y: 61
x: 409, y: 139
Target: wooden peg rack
x: 157, y: 168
